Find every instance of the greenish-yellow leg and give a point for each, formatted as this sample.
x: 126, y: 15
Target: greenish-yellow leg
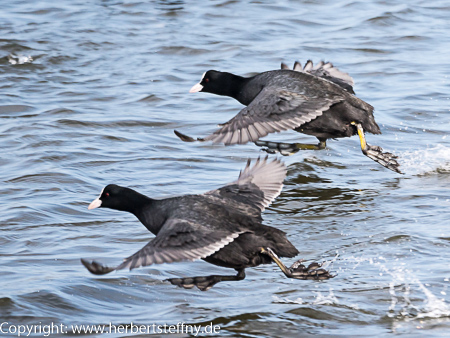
x: 387, y: 160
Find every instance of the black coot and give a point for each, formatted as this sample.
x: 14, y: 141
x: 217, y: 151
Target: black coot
x: 317, y: 101
x: 222, y: 227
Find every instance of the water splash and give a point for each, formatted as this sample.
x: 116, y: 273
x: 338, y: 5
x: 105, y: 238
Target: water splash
x: 426, y: 161
x: 433, y: 307
x: 325, y: 299
x: 404, y: 281
x: 431, y: 312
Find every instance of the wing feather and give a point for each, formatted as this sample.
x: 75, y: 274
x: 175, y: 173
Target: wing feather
x: 257, y: 185
x: 290, y: 109
x: 178, y: 240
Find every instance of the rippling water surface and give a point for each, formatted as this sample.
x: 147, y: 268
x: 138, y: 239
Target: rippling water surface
x: 108, y: 84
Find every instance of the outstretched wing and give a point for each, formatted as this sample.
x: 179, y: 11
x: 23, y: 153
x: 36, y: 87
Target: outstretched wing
x: 327, y: 71
x: 256, y: 187
x: 274, y: 109
x: 178, y: 240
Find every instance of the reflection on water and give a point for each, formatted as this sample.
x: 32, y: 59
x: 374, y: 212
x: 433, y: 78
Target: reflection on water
x: 108, y: 84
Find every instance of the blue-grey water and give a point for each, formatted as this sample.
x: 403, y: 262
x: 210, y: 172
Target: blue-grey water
x: 109, y: 82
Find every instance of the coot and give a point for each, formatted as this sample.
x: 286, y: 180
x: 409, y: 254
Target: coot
x: 223, y: 227
x: 317, y: 101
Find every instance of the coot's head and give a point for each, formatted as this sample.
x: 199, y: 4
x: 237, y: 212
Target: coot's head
x: 111, y: 197
x: 119, y: 198
x: 214, y: 82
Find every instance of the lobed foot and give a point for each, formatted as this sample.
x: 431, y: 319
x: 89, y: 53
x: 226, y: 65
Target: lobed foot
x: 298, y: 270
x: 312, y: 271
x: 204, y: 283
x: 387, y: 160
x: 285, y: 149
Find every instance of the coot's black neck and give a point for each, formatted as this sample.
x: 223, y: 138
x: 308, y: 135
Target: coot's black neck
x: 152, y: 215
x: 146, y: 209
x: 237, y: 87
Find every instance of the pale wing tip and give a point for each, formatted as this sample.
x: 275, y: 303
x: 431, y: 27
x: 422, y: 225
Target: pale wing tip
x: 268, y: 177
x: 262, y: 170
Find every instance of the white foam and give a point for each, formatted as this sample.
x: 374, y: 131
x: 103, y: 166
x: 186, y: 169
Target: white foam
x: 19, y: 59
x: 425, y: 161
x: 325, y: 299
x: 319, y: 299
x: 286, y: 300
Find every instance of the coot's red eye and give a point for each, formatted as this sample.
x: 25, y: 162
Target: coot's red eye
x: 107, y: 194
x: 206, y: 80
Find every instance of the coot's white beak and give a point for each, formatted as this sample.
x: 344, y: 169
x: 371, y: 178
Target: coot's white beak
x: 197, y: 88
x: 95, y: 204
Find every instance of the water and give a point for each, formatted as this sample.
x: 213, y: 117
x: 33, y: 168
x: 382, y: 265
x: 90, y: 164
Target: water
x: 108, y: 84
